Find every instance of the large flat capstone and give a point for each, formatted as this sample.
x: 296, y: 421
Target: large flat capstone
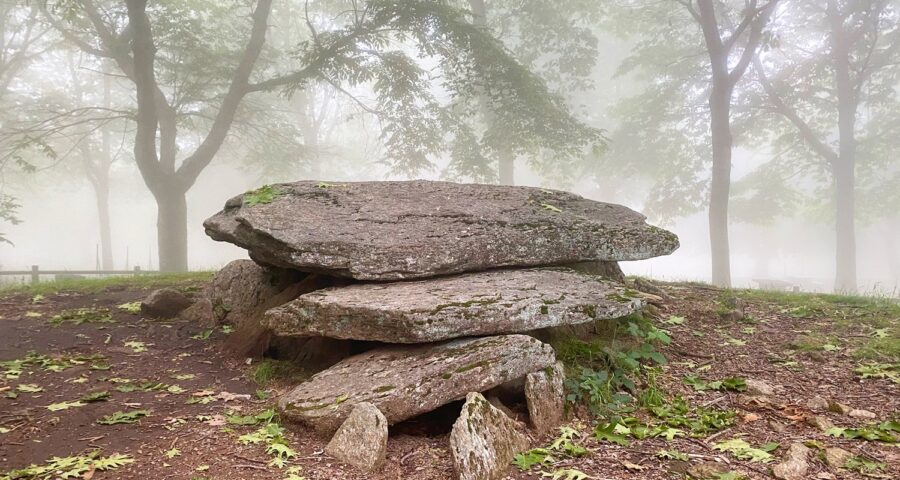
x: 405, y: 381
x: 472, y: 304
x: 416, y: 229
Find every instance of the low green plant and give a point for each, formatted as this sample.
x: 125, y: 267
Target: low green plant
x: 698, y: 421
x: 272, y: 436
x: 602, y: 373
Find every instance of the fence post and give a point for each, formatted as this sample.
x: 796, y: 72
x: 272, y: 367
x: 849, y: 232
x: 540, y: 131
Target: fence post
x: 35, y: 276
x: 137, y: 270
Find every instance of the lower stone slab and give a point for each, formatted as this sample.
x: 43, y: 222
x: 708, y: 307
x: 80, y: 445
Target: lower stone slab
x: 484, y: 303
x: 406, y: 381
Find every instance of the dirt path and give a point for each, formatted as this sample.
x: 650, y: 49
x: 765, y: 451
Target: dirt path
x: 200, y: 414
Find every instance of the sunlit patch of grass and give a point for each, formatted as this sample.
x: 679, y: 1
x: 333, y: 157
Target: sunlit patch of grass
x: 185, y: 281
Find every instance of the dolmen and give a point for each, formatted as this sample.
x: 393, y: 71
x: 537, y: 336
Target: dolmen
x: 446, y: 283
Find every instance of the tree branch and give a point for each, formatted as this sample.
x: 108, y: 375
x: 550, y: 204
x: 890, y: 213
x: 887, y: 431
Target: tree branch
x: 193, y: 165
x: 786, y: 111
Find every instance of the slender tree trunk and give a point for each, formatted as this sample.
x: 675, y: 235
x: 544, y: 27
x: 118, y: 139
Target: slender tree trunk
x: 844, y: 167
x: 101, y: 194
x: 171, y: 228
x: 506, y: 160
x: 845, y: 229
x: 720, y: 184
x: 102, y: 188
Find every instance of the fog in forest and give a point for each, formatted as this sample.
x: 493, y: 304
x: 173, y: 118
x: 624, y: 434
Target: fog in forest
x: 774, y: 124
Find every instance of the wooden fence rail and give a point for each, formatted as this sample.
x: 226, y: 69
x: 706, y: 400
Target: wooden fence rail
x: 36, y: 272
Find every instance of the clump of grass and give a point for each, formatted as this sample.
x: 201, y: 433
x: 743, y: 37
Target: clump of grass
x: 269, y: 370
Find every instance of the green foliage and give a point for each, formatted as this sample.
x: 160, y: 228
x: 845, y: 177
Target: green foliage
x: 699, y: 421
x: 13, y: 369
x: 477, y: 73
x: 133, y: 308
x: 744, y: 451
x: 879, y: 370
x: 863, y: 465
x: 8, y: 207
x: 98, y: 396
x: 730, y: 384
x: 269, y: 370
x: 882, y: 432
x: 600, y: 372
x: 566, y: 474
x: 68, y: 467
x: 262, y: 195
x: 272, y: 436
x: 80, y: 316
x: 672, y: 455
x: 265, y: 416
x: 56, y: 407
x: 123, y: 417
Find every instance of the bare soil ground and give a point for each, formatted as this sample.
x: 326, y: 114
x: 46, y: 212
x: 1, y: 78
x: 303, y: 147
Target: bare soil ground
x: 802, y: 345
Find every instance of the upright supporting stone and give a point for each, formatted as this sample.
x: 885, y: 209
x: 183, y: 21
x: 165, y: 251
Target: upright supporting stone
x: 545, y: 397
x: 361, y: 440
x: 484, y: 440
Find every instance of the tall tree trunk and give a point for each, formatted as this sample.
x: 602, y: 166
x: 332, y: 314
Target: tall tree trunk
x: 720, y: 184
x: 171, y: 228
x: 845, y: 228
x: 844, y: 167
x: 101, y: 194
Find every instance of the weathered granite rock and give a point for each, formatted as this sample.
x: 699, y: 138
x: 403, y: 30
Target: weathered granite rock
x: 817, y: 403
x: 836, y: 457
x: 243, y: 289
x: 820, y: 422
x: 484, y: 303
x: 484, y: 441
x: 405, y: 381
x: 794, y: 465
x: 416, y: 229
x: 759, y: 388
x: 361, y: 440
x: 546, y: 398
x: 860, y: 413
x: 164, y: 303
x: 200, y: 313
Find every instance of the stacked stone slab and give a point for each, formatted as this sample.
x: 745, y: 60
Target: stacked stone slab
x: 449, y: 279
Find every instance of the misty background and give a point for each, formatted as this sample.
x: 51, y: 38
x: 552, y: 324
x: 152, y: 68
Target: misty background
x: 636, y: 74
